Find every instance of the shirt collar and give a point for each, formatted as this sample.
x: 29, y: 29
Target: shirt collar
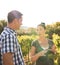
x: 10, y: 30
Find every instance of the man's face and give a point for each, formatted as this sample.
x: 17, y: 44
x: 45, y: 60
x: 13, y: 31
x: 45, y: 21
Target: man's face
x: 18, y: 23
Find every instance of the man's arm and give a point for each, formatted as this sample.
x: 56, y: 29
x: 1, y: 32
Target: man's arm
x: 8, y: 59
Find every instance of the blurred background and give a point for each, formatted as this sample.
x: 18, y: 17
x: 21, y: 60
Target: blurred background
x: 34, y: 12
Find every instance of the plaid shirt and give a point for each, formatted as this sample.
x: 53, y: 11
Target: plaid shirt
x: 0, y: 51
x: 10, y: 44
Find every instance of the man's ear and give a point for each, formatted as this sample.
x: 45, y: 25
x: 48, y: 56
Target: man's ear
x: 15, y: 20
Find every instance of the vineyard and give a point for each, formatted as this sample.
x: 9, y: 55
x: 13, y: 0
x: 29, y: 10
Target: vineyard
x: 26, y: 36
x: 26, y: 40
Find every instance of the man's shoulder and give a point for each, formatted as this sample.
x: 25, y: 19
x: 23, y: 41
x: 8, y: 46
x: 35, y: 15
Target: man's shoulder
x: 5, y: 34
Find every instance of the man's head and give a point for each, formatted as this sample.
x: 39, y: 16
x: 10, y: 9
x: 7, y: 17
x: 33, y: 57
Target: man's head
x: 14, y: 19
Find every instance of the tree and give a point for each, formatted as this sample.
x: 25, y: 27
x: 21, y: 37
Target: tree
x: 3, y: 23
x: 49, y: 31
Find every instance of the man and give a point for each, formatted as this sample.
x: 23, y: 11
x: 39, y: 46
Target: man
x: 11, y: 50
x: 0, y: 51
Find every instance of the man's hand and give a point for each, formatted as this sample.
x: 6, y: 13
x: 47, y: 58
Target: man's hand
x: 7, y: 59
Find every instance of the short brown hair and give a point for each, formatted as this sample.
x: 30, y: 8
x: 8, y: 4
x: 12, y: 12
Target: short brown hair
x: 13, y: 14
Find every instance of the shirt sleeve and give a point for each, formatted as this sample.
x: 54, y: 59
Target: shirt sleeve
x: 34, y: 43
x: 0, y: 41
x: 50, y: 43
x: 8, y: 44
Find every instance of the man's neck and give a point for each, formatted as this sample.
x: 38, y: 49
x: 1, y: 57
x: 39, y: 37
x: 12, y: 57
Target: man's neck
x: 11, y: 26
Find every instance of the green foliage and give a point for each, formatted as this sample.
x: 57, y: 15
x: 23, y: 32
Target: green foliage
x: 3, y: 23
x: 56, y: 40
x: 25, y: 42
x: 49, y: 31
x: 57, y: 30
x: 53, y: 32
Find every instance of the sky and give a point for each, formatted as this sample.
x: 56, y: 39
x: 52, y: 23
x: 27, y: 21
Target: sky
x: 34, y: 11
